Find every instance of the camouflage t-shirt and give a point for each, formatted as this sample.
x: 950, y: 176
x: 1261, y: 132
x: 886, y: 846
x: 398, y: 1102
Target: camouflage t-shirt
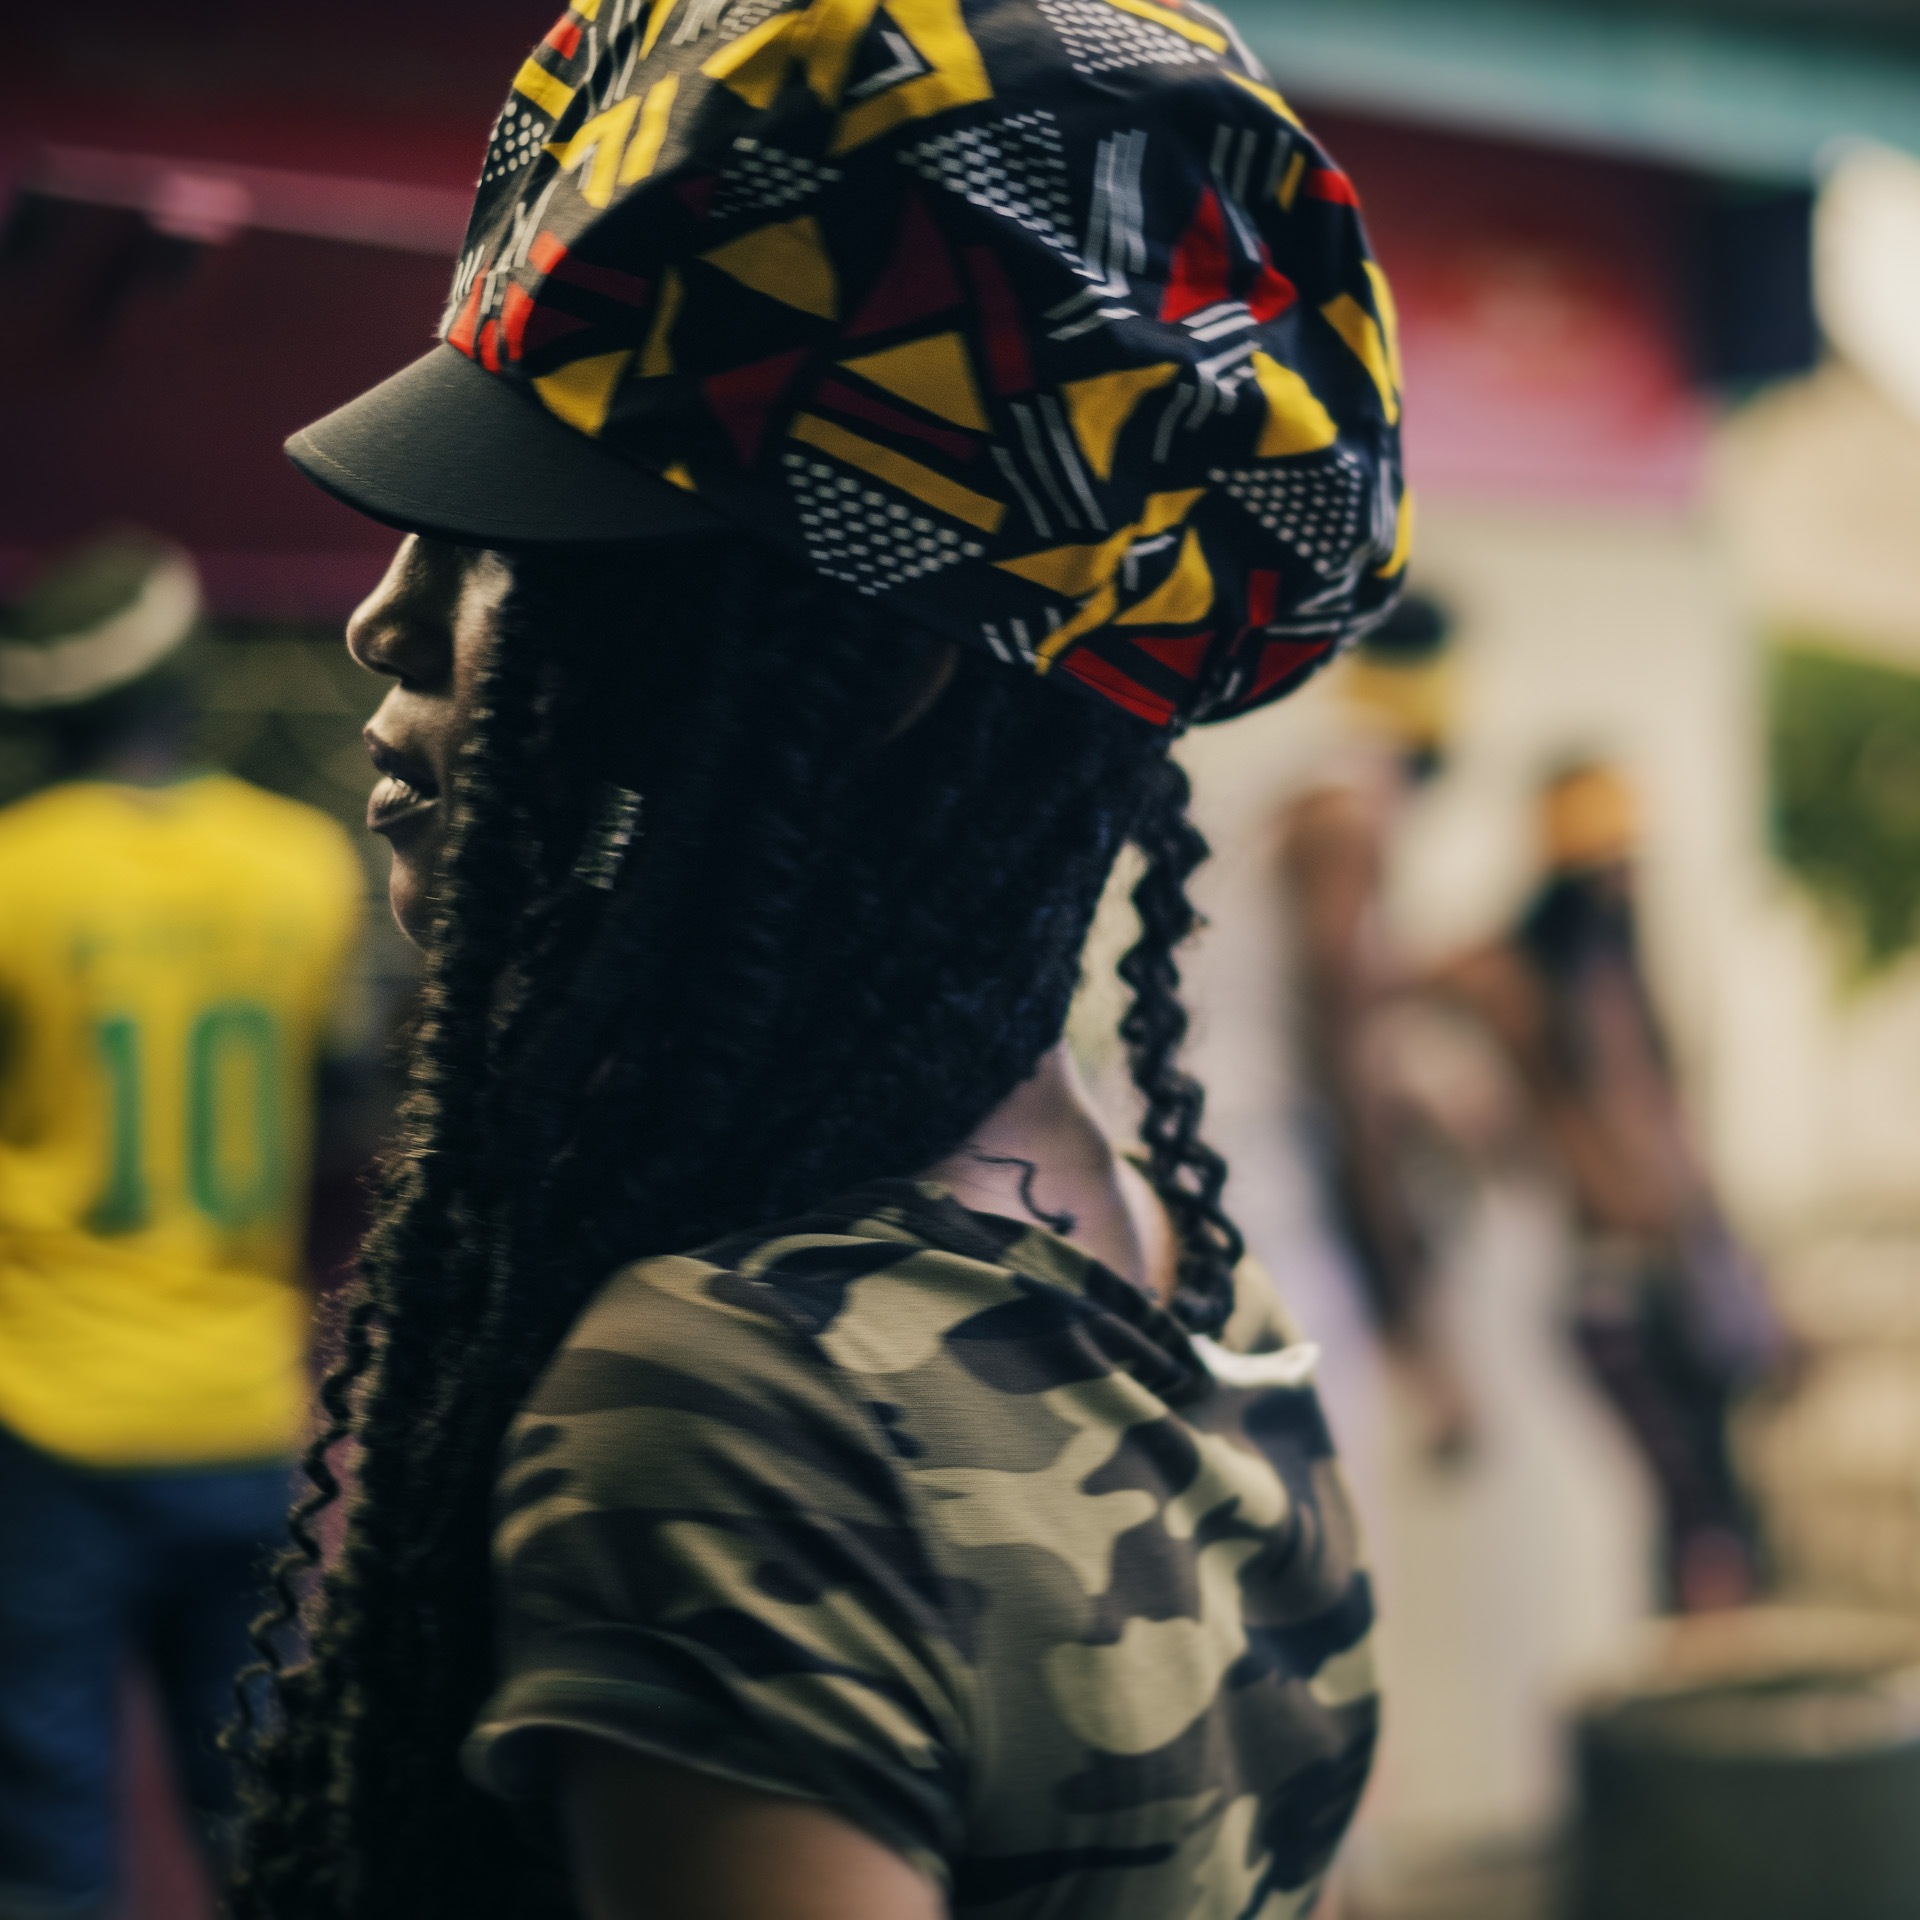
x: 927, y: 1515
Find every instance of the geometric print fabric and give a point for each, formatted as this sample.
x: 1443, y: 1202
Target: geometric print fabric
x: 1315, y: 510
x: 516, y: 138
x: 865, y: 538
x: 1038, y: 318
x: 1011, y: 167
x: 1098, y: 37
x: 762, y: 178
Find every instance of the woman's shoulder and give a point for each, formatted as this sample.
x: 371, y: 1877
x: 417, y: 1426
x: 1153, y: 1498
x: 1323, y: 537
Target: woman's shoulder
x: 706, y: 1550
x: 787, y: 1293
x: 745, y: 1344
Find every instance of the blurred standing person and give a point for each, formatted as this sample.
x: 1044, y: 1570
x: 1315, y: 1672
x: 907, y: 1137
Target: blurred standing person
x: 1670, y: 1313
x: 1336, y: 841
x: 170, y: 945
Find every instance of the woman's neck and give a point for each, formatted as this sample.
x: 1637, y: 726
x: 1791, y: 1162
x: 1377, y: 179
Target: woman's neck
x: 1046, y: 1137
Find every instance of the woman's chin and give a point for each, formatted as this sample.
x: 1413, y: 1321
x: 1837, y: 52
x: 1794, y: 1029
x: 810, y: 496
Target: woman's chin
x: 407, y: 893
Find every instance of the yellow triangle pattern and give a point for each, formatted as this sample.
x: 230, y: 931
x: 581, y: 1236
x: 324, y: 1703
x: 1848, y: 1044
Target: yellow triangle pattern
x: 600, y: 140
x: 1077, y: 570
x: 1296, y: 422
x: 1100, y: 407
x: 1290, y: 186
x: 787, y: 263
x: 1185, y: 595
x: 828, y: 41
x: 655, y: 21
x: 934, y: 374
x: 897, y: 470
x: 1179, y: 23
x: 581, y: 393
x: 1267, y: 97
x: 651, y: 134
x: 1383, y: 305
x: 553, y: 97
x: 958, y: 75
x: 822, y: 41
x: 755, y: 66
x: 1361, y: 331
x: 656, y: 357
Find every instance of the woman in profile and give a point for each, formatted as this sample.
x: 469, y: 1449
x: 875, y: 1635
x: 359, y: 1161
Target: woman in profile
x: 894, y: 1509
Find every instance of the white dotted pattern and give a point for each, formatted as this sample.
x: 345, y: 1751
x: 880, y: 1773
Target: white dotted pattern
x: 517, y: 137
x: 1318, y: 511
x: 761, y: 179
x: 1013, y: 167
x: 1097, y: 36
x: 869, y: 539
x: 745, y: 15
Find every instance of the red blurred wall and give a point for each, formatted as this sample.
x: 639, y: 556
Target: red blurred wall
x: 142, y: 379
x: 138, y: 378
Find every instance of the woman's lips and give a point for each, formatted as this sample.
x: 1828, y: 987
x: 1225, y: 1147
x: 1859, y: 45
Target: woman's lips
x: 393, y: 802
x: 405, y: 792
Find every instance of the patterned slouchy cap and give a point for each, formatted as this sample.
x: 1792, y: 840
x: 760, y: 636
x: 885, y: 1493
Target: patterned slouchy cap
x: 1046, y: 321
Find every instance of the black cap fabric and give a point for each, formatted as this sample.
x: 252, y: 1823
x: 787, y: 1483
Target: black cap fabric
x: 442, y: 447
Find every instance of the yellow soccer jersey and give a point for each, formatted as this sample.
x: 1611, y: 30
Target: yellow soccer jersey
x: 169, y: 959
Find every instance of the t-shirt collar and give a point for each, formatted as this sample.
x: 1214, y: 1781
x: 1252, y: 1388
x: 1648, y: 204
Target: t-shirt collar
x: 1155, y: 1348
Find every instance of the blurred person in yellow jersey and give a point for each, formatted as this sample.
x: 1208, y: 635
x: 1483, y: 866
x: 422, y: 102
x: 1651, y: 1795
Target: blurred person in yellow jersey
x: 171, y: 947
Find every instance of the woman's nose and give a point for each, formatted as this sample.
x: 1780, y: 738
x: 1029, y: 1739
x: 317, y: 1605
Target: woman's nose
x: 371, y: 626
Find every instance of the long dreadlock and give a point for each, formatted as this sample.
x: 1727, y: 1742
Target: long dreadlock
x: 835, y: 948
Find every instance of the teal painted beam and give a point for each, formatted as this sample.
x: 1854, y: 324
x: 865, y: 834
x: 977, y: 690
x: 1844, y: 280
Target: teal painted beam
x: 1719, y: 98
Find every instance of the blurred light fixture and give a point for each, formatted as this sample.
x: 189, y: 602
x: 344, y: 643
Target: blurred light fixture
x: 211, y: 203
x: 1867, y: 266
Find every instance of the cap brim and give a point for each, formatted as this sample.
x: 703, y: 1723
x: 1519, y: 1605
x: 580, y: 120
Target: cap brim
x: 443, y: 447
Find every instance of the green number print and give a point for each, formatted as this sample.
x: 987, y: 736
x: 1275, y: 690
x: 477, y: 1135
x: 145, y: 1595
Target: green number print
x: 246, y: 1030
x: 122, y: 1205
x: 233, y: 1043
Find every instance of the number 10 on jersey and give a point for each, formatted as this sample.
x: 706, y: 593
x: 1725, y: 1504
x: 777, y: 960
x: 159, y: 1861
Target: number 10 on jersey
x: 233, y: 1085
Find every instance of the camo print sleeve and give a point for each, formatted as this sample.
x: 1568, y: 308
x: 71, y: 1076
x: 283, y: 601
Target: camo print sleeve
x: 708, y: 1559
x: 927, y: 1516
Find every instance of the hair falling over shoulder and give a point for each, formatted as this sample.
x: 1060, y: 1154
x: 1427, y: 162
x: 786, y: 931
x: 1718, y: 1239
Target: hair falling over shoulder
x: 830, y: 950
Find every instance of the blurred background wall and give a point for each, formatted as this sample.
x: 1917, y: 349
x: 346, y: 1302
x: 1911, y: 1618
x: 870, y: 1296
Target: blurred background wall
x: 1668, y: 455
x: 1670, y: 485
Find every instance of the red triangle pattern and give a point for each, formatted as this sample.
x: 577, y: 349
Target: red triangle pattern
x: 918, y: 280
x: 1263, y: 596
x: 1184, y: 653
x: 461, y: 333
x: 1281, y: 658
x: 743, y: 397
x: 1104, y: 677
x: 1329, y: 183
x: 628, y: 288
x: 526, y: 323
x: 863, y: 406
x: 548, y: 325
x: 1009, y: 365
x: 515, y: 311
x: 1272, y: 293
x: 1201, y: 263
